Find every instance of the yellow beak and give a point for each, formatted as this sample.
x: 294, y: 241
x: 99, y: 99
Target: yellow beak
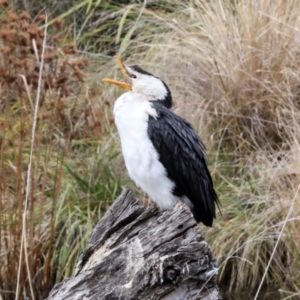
x: 121, y: 84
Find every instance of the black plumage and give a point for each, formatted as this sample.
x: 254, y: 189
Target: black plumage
x: 182, y: 153
x: 179, y: 149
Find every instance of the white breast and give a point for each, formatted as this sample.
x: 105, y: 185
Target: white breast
x: 131, y: 112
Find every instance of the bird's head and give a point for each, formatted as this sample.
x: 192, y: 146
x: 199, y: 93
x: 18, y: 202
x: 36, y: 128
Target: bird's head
x: 144, y: 83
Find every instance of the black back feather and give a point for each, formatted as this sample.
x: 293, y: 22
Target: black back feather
x: 182, y: 153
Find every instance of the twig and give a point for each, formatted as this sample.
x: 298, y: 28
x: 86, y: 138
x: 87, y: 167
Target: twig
x: 28, y: 183
x: 277, y: 242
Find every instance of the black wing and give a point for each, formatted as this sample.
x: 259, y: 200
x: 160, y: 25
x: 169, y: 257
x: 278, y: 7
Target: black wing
x: 182, y: 153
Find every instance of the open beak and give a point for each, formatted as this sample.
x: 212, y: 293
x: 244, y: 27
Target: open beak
x: 121, y: 84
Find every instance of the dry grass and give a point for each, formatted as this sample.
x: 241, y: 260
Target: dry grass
x: 45, y: 215
x: 233, y: 67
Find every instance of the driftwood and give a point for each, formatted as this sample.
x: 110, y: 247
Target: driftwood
x: 138, y: 252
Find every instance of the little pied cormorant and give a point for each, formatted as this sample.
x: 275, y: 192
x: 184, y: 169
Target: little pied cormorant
x: 162, y: 152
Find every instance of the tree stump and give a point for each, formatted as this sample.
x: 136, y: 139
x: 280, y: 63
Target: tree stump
x: 137, y: 252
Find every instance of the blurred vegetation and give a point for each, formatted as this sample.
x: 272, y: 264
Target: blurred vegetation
x: 233, y: 68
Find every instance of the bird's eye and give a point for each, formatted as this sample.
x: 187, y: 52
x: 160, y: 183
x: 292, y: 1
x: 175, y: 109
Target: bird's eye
x: 133, y: 76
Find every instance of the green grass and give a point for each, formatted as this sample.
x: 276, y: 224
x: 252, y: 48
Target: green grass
x: 233, y: 70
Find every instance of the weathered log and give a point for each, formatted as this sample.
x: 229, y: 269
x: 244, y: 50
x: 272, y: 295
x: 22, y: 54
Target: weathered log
x: 138, y: 252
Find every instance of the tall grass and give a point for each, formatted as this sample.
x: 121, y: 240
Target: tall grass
x: 45, y: 218
x: 233, y: 70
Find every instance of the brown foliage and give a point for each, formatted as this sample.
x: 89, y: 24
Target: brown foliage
x: 63, y: 78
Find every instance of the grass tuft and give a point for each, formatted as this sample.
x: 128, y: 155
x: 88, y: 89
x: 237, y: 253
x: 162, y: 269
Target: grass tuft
x: 45, y: 215
x: 233, y: 70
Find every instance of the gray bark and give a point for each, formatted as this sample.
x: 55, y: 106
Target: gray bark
x: 138, y: 252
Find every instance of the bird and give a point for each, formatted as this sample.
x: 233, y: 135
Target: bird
x: 163, y: 154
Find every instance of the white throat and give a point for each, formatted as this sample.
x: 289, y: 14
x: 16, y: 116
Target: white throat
x: 132, y: 111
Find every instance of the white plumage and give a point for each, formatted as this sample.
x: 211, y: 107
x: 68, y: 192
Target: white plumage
x: 132, y: 111
x: 163, y: 154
